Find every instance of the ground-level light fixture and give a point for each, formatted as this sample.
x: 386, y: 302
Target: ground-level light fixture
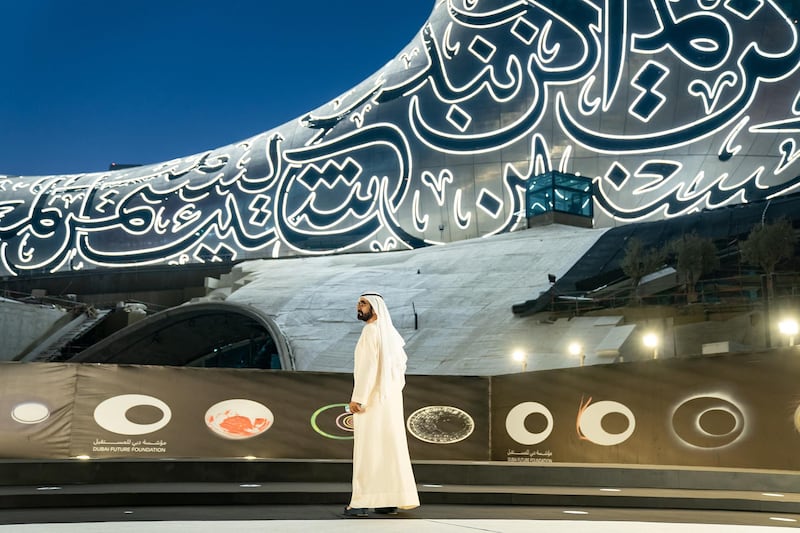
x: 576, y: 350
x: 650, y: 341
x: 520, y: 357
x: 790, y: 328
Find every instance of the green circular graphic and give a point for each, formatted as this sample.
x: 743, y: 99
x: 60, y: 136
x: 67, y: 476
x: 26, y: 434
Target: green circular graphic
x: 319, y: 430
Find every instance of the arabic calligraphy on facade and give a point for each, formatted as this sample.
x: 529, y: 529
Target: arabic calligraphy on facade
x: 679, y: 108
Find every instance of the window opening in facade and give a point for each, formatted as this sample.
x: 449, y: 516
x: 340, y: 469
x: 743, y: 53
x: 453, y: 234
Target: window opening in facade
x: 559, y: 197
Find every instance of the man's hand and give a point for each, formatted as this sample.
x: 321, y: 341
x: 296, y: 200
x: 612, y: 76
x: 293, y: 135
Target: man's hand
x: 355, y: 407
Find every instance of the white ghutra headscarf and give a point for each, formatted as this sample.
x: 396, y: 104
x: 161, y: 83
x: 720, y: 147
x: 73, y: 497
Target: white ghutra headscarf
x: 393, y: 357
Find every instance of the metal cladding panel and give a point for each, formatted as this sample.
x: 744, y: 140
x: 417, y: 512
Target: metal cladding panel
x: 669, y: 107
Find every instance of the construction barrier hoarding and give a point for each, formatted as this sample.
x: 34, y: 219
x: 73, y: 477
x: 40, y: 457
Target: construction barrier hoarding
x: 736, y: 411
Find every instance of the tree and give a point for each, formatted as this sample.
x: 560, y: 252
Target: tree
x: 767, y: 245
x: 695, y: 256
x: 638, y: 262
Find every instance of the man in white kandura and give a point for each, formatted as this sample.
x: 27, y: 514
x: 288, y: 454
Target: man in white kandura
x: 382, y: 476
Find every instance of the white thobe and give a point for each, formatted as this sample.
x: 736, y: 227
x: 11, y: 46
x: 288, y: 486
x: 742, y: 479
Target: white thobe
x: 382, y: 474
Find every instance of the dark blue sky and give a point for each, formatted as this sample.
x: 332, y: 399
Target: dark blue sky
x: 86, y: 83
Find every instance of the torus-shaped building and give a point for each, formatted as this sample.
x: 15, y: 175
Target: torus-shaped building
x: 497, y: 112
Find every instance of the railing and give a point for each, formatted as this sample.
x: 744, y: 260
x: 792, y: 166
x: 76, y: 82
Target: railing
x: 722, y: 294
x: 71, y: 304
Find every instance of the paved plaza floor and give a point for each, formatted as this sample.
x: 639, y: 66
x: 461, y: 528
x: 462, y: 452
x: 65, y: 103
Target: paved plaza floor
x: 426, y: 519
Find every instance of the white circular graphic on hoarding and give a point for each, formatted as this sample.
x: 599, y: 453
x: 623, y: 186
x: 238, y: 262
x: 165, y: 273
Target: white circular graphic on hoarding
x: 709, y: 422
x: 515, y: 423
x: 591, y: 423
x: 30, y: 413
x: 110, y: 414
x: 238, y: 418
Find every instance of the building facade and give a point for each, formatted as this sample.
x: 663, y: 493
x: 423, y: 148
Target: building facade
x: 663, y: 108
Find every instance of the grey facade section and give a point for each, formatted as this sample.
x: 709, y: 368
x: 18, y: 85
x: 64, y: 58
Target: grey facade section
x: 22, y: 325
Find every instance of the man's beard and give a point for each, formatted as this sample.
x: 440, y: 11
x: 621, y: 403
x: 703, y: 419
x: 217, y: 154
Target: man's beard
x: 364, y: 316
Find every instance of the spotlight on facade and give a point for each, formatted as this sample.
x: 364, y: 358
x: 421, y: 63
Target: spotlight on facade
x: 520, y: 357
x: 576, y: 350
x: 650, y: 341
x: 790, y: 328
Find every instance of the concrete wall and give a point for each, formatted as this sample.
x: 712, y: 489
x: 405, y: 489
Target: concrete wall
x: 23, y: 324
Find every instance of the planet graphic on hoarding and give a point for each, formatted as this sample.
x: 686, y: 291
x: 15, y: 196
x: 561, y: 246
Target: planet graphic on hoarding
x: 440, y: 424
x: 238, y: 418
x: 30, y: 413
x: 333, y: 421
